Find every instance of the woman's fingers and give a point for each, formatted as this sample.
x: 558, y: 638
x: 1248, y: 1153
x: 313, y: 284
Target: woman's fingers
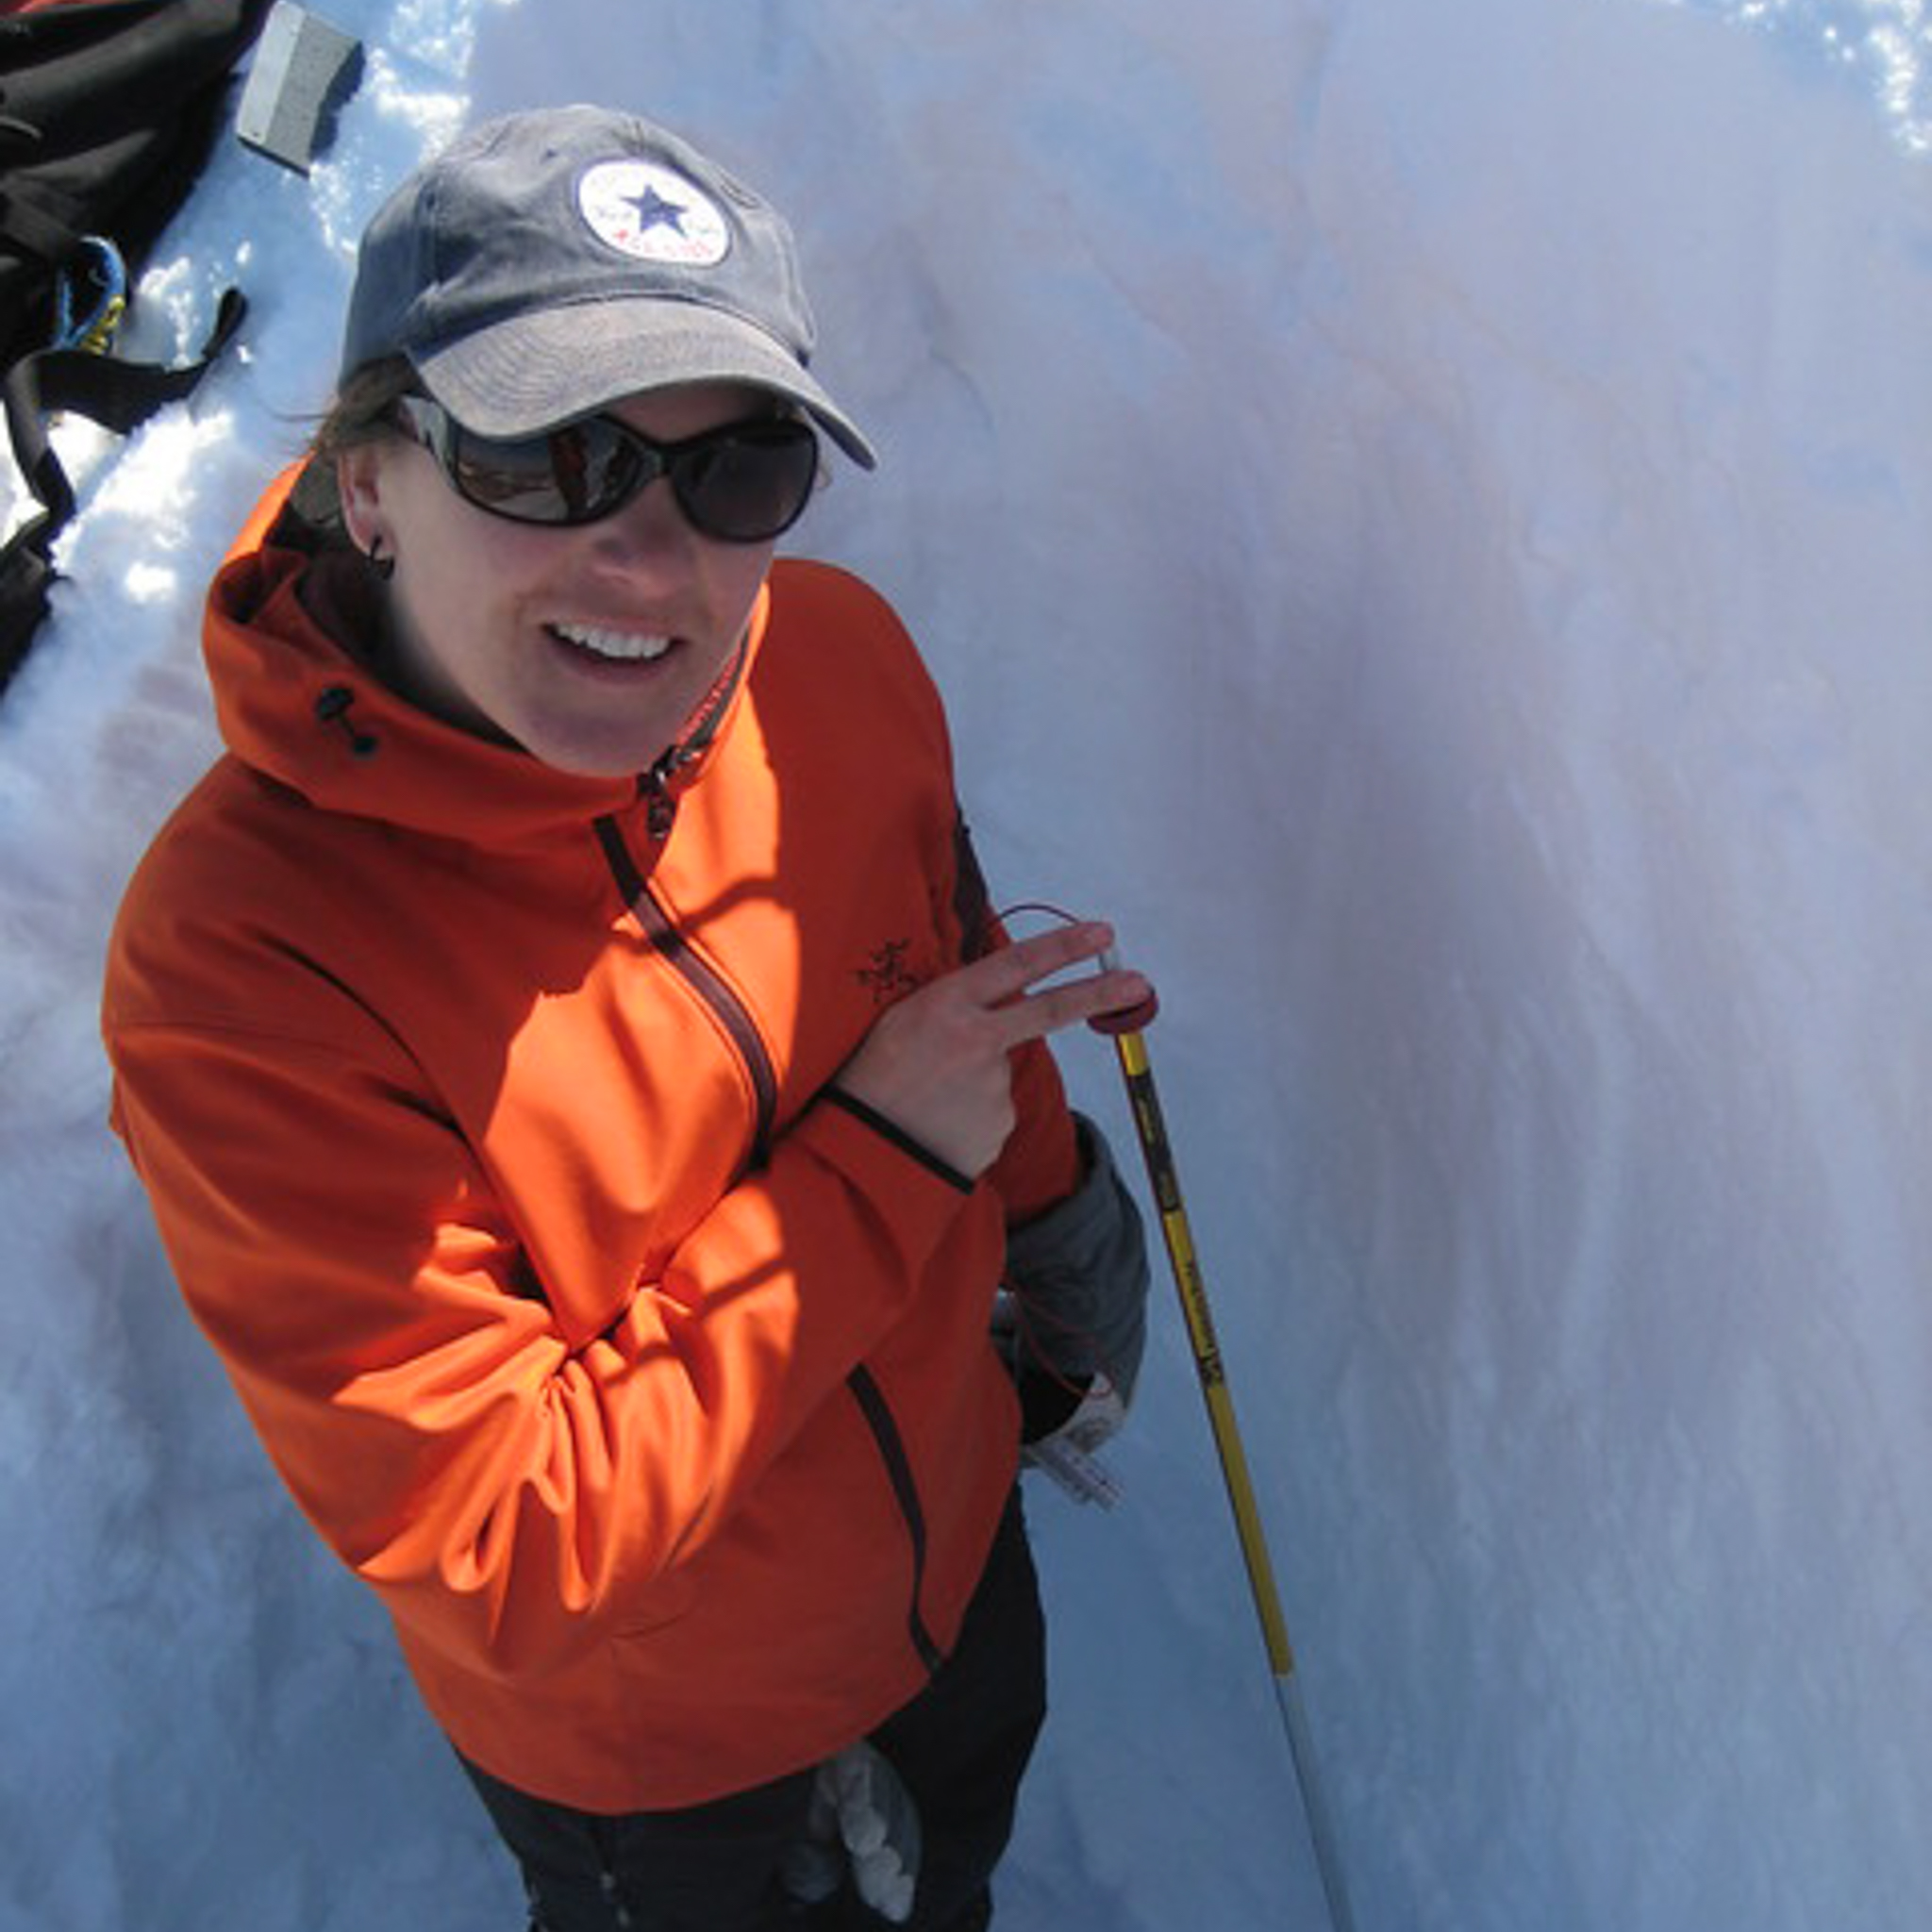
x: 937, y: 1063
x: 1000, y: 979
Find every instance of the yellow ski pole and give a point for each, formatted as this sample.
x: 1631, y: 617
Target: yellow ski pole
x: 1151, y: 1128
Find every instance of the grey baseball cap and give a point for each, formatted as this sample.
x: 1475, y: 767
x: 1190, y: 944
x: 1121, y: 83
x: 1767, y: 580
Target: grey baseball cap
x: 546, y: 264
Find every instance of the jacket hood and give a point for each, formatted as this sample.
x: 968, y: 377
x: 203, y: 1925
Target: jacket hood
x: 295, y: 703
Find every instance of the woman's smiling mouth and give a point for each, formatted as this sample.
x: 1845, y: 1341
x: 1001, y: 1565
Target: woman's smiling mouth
x: 616, y: 646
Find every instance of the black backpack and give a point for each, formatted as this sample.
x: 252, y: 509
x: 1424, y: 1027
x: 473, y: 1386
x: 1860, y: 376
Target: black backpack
x: 107, y: 111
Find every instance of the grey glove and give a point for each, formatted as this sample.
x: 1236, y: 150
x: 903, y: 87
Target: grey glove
x: 1073, y: 1319
x: 863, y: 1817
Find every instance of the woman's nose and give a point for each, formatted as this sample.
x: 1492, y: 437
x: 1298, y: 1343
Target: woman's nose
x: 650, y: 533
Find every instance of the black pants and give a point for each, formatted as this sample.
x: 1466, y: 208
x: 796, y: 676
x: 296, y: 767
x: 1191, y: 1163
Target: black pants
x: 960, y: 1746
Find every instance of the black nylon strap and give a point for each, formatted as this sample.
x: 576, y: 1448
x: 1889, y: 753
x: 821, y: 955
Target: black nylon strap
x: 118, y: 395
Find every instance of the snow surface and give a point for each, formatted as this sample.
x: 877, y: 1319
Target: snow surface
x: 1421, y: 515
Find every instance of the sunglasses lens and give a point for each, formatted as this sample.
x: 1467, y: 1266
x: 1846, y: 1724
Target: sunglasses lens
x: 582, y: 471
x: 747, y: 483
x: 742, y: 483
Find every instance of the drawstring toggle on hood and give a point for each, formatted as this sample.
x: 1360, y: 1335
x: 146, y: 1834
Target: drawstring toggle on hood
x: 332, y: 707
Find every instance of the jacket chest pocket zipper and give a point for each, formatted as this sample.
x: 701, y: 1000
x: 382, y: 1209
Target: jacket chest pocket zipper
x: 683, y: 958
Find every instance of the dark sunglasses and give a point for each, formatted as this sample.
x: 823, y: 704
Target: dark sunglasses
x: 745, y: 483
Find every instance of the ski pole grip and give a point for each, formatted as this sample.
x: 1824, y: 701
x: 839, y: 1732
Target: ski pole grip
x: 1124, y: 1019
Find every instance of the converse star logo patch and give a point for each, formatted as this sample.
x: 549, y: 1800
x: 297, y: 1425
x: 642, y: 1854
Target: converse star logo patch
x: 654, y: 214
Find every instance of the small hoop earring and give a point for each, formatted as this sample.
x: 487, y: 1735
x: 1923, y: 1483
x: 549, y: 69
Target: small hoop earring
x: 383, y: 567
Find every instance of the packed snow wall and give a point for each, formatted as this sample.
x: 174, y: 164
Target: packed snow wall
x: 1420, y: 515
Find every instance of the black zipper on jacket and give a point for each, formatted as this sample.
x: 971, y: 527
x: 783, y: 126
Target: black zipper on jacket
x: 891, y: 1447
x: 678, y: 954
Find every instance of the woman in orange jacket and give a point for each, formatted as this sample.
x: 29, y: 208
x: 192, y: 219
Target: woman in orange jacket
x: 586, y: 1097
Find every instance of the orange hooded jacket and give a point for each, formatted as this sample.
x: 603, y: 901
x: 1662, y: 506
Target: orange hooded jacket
x: 483, y: 1111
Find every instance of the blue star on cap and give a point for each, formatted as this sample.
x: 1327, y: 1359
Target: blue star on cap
x: 653, y: 211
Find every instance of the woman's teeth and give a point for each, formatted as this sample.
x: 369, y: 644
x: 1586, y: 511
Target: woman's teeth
x: 619, y: 644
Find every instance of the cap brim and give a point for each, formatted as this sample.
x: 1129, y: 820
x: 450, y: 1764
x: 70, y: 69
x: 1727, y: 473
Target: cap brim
x: 531, y: 372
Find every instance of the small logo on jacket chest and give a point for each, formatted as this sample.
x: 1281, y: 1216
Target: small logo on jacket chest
x: 886, y: 974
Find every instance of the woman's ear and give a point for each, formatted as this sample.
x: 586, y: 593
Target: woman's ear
x: 358, y: 486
